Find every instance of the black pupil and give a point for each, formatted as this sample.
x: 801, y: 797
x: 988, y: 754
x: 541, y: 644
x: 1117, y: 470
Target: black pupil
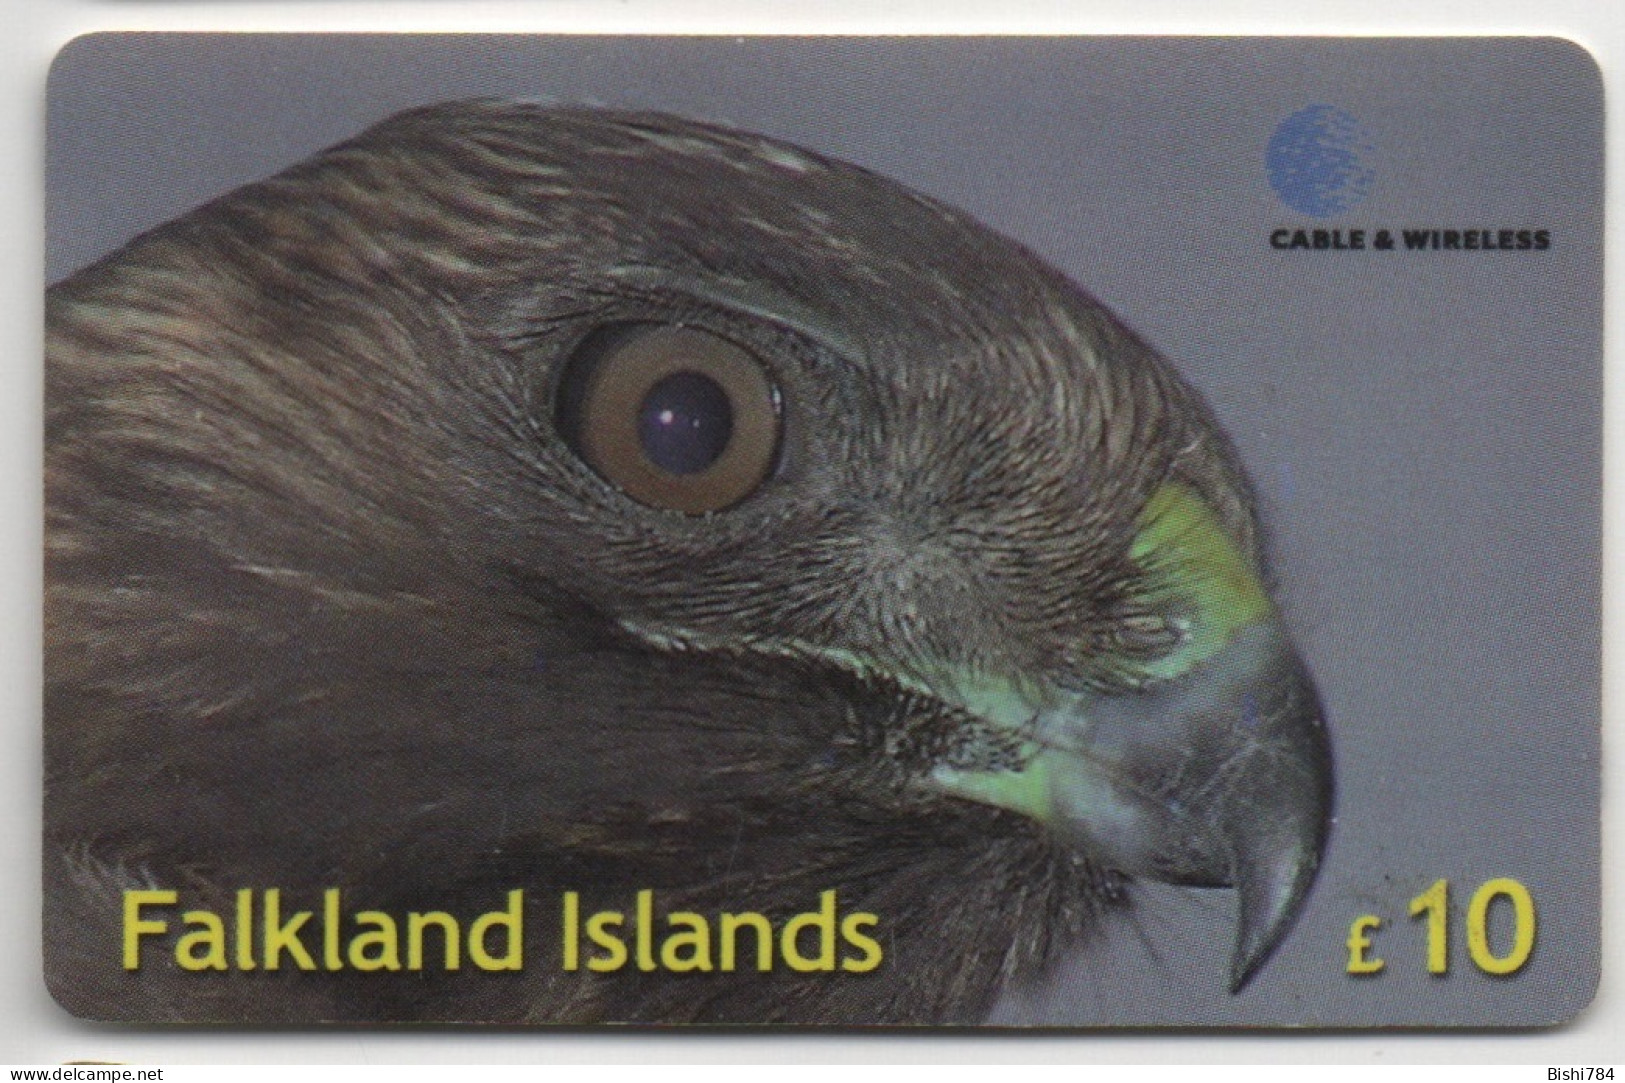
x: 685, y: 423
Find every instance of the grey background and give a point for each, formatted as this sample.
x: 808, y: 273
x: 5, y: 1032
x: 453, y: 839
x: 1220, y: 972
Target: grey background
x: 1424, y: 428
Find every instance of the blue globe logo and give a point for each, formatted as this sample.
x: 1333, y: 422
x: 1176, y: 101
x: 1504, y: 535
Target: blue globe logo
x: 1320, y: 161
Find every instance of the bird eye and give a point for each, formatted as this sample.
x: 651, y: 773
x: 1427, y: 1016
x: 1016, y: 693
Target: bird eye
x: 675, y: 417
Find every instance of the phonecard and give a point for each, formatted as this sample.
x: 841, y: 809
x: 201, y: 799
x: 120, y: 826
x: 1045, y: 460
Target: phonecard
x: 899, y: 531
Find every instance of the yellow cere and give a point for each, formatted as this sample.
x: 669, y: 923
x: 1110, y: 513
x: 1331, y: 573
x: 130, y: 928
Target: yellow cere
x: 1195, y: 562
x: 1200, y: 575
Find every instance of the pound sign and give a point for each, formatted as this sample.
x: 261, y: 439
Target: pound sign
x: 1359, y: 942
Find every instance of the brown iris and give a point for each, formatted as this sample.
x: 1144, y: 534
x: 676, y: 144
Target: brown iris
x: 675, y: 417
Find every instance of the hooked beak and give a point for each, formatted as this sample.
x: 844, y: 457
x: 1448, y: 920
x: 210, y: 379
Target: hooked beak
x: 1219, y: 778
x: 1218, y: 773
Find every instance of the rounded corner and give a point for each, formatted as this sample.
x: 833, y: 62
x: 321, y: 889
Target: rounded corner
x: 1584, y: 1003
x: 72, y: 48
x: 63, y: 996
x: 1580, y: 55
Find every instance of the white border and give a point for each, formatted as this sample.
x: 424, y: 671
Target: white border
x: 34, y: 1031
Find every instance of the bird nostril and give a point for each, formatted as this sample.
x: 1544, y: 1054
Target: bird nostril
x: 1149, y: 635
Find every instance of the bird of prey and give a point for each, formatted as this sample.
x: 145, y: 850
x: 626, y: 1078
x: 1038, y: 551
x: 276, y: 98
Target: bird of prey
x: 596, y: 502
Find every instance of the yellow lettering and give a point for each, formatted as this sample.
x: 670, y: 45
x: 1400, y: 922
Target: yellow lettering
x: 416, y: 923
x: 697, y: 940
x: 511, y: 921
x: 1523, y: 926
x: 572, y: 935
x: 135, y: 927
x: 863, y: 942
x: 383, y: 937
x: 1435, y: 903
x: 244, y: 930
x: 731, y: 924
x: 646, y: 930
x: 598, y: 927
x: 211, y: 937
x: 283, y: 936
x: 823, y: 923
x: 1358, y: 943
x: 331, y: 921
